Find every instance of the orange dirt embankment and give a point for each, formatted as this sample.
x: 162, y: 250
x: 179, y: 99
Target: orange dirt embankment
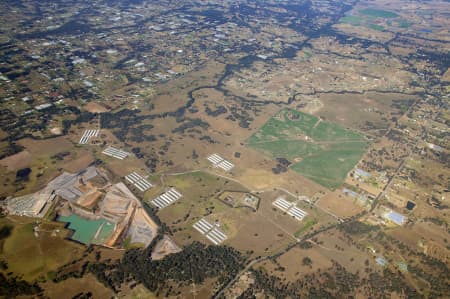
x: 122, y: 226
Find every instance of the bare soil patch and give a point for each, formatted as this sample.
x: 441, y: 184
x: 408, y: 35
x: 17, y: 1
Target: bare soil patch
x: 335, y: 246
x: 339, y: 204
x: 292, y: 262
x: 96, y: 107
x: 17, y: 161
x: 83, y: 160
x: 164, y: 247
x: 73, y: 286
x: 257, y: 234
x: 46, y: 147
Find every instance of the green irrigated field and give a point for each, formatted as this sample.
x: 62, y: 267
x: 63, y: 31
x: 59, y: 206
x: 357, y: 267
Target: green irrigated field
x: 376, y: 27
x: 378, y: 13
x: 371, y: 18
x: 353, y: 20
x: 322, y: 151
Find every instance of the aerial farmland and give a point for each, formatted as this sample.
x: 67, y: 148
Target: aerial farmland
x: 224, y: 149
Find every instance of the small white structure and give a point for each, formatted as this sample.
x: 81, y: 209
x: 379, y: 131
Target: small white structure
x: 203, y: 226
x: 88, y: 134
x: 395, y: 217
x: 263, y: 57
x: 138, y: 181
x: 116, y: 153
x: 297, y: 213
x: 43, y: 106
x: 282, y: 204
x: 167, y: 198
x: 210, y: 231
x: 289, y: 208
x: 220, y: 162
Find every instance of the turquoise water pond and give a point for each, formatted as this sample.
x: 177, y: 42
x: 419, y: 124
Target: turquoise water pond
x: 88, y: 231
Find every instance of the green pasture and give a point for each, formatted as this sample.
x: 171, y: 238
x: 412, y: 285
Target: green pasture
x: 366, y: 17
x: 352, y: 20
x: 378, y: 13
x: 319, y: 150
x: 375, y: 27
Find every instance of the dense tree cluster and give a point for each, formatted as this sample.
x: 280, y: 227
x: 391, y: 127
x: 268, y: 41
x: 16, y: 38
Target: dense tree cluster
x: 129, y: 124
x: 11, y: 149
x: 358, y: 228
x: 80, y: 117
x: 125, y: 121
x: 5, y: 231
x: 111, y: 275
x: 208, y: 139
x: 191, y: 123
x: 13, y: 287
x: 21, y: 126
x: 218, y: 111
x: 23, y: 174
x: 282, y: 165
x: 396, y: 135
x: 138, y: 134
x: 194, y: 264
x: 152, y: 163
x: 241, y: 114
